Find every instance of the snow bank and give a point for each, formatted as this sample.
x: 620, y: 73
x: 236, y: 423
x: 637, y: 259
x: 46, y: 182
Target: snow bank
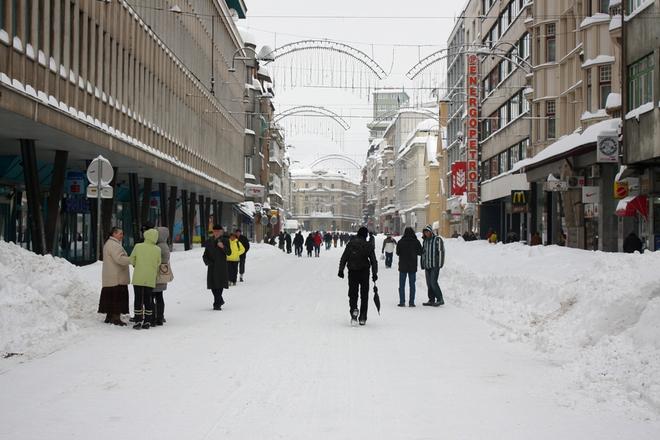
x: 597, y: 313
x: 42, y: 300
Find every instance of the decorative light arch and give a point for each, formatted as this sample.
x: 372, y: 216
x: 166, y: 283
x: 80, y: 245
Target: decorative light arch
x: 341, y: 157
x: 329, y: 45
x: 476, y: 49
x: 306, y: 109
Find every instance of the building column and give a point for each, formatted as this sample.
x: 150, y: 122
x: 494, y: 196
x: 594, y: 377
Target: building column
x: 203, y: 222
x: 192, y: 213
x: 134, y: 193
x: 54, y: 199
x: 108, y: 206
x: 146, y: 199
x: 607, y: 223
x: 171, y: 212
x: 162, y: 204
x: 187, y: 242
x: 35, y: 214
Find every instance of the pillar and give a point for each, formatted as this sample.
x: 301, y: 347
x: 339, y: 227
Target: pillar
x: 31, y: 177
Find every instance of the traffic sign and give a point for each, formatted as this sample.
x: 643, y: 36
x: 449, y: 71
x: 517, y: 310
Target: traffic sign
x: 106, y: 192
x: 100, y: 170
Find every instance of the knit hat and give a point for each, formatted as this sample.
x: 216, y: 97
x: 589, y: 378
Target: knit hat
x: 428, y: 228
x: 363, y: 232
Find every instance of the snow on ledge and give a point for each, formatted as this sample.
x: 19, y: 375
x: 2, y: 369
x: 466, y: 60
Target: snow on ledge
x: 595, y: 19
x: 636, y: 113
x: 586, y: 116
x: 613, y: 101
x: 616, y: 22
x: 600, y: 59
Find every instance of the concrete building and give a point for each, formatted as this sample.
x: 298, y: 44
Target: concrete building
x: 372, y: 184
x: 640, y: 210
x: 575, y: 93
x: 386, y: 103
x: 325, y: 200
x: 148, y: 88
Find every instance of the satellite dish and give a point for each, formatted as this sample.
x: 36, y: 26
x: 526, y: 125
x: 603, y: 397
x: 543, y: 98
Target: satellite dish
x: 234, y: 15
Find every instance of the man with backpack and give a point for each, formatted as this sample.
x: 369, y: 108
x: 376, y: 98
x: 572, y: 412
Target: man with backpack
x: 359, y: 256
x: 433, y: 258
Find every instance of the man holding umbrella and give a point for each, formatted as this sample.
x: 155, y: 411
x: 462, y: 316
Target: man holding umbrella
x: 359, y: 256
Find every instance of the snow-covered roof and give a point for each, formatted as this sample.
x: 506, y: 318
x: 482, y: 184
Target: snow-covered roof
x: 247, y: 36
x: 637, y: 112
x: 613, y: 101
x: 569, y: 143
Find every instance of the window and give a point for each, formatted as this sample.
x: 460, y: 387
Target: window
x: 504, y: 161
x: 604, y: 83
x: 604, y: 6
x: 494, y: 167
x: 248, y: 165
x: 319, y: 185
x: 588, y: 90
x: 550, y: 119
x: 640, y: 82
x: 550, y: 43
x: 514, y: 155
x: 514, y: 106
x: 485, y: 170
x: 306, y: 210
x: 634, y: 5
x: 306, y: 185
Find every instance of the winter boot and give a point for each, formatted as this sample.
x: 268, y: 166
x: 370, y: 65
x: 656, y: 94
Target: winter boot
x: 363, y: 322
x: 354, y: 317
x: 241, y: 278
x: 138, y: 326
x: 430, y: 303
x: 146, y: 325
x: 108, y: 318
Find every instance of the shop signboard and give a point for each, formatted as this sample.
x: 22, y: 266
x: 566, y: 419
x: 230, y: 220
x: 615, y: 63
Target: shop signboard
x: 607, y: 148
x: 472, y: 138
x: 555, y: 185
x: 590, y: 194
x: 458, y: 178
x: 519, y: 201
x: 75, y: 182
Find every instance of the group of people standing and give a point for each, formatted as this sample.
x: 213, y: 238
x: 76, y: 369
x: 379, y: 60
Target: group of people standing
x: 151, y: 274
x: 359, y: 256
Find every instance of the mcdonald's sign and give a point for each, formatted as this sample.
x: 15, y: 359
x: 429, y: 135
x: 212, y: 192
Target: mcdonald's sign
x: 519, y: 201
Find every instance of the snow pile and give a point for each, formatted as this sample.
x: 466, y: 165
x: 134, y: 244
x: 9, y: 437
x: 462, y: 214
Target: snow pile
x: 42, y: 300
x: 597, y: 313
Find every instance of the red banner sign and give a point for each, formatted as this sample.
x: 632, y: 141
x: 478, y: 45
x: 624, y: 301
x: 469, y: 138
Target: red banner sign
x: 472, y: 137
x: 458, y: 178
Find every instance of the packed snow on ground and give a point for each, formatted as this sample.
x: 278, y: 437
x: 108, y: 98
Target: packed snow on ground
x: 533, y: 342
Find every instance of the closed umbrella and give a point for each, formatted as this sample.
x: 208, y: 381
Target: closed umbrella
x: 376, y: 298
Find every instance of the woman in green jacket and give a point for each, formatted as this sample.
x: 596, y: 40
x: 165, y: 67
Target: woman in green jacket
x: 145, y: 259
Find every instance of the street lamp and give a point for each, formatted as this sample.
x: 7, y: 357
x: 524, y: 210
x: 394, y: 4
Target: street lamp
x: 265, y: 54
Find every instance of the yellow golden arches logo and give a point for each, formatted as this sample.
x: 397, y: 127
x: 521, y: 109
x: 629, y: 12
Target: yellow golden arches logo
x: 518, y: 198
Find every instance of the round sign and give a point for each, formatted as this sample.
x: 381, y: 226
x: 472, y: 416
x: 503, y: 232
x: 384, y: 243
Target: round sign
x: 273, y: 220
x: 621, y: 190
x: 107, y: 173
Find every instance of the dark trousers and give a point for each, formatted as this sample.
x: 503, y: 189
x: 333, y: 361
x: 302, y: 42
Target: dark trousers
x: 241, y: 265
x: 288, y: 248
x: 412, y: 276
x: 435, y: 294
x: 388, y: 259
x: 217, y: 298
x: 358, y: 280
x: 159, y: 306
x: 299, y: 249
x: 144, y: 311
x: 317, y: 250
x: 232, y: 270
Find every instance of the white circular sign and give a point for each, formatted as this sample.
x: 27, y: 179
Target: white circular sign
x: 107, y: 173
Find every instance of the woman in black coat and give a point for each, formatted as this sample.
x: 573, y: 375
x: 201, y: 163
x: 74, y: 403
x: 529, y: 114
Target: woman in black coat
x: 408, y: 249
x: 309, y: 244
x: 216, y: 250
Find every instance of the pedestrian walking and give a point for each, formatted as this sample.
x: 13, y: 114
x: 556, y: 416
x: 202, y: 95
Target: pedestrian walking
x: 233, y: 258
x: 433, y: 258
x: 408, y: 249
x: 164, y: 276
x: 309, y: 244
x: 359, y: 256
x: 389, y: 246
x: 372, y: 240
x: 327, y: 238
x: 145, y: 259
x: 318, y: 239
x: 115, y: 278
x: 335, y: 238
x: 216, y: 250
x: 287, y: 240
x: 280, y: 241
x: 246, y: 245
x: 298, y: 242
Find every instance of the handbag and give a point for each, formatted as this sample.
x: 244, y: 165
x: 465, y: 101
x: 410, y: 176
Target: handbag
x: 165, y: 274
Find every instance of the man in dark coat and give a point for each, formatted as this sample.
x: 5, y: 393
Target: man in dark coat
x: 632, y: 244
x: 408, y: 249
x: 287, y: 240
x: 298, y: 242
x: 281, y: 240
x: 246, y: 244
x: 359, y: 256
x: 216, y: 250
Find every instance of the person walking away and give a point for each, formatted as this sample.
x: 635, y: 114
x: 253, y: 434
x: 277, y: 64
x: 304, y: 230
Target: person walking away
x: 335, y: 238
x: 372, y: 240
x: 327, y: 238
x: 158, y: 300
x: 115, y: 278
x: 389, y: 246
x: 216, y: 250
x: 287, y: 240
x: 535, y: 240
x: 145, y: 259
x: 433, y: 258
x: 408, y: 249
x: 318, y: 239
x: 234, y: 258
x: 246, y: 245
x: 298, y: 242
x: 359, y: 256
x: 633, y: 244
x: 309, y: 244
x: 280, y: 241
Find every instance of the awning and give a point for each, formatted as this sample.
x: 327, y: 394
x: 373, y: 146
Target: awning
x: 631, y: 205
x: 244, y: 211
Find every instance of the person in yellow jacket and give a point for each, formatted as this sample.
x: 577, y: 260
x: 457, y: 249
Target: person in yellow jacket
x: 145, y: 259
x: 237, y: 249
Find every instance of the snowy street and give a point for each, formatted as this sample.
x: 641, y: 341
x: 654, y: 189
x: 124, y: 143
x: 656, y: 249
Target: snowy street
x: 282, y: 361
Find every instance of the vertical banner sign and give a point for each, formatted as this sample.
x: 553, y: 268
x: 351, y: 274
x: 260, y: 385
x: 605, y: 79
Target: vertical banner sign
x: 458, y: 178
x: 472, y: 137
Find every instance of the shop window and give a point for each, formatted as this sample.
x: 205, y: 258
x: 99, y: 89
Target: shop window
x: 604, y: 83
x: 640, y: 82
x: 550, y: 109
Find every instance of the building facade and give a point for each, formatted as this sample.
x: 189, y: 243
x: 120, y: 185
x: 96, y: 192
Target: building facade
x: 149, y: 89
x: 325, y: 200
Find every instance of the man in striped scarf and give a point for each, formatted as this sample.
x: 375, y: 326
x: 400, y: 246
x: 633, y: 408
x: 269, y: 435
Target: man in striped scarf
x: 433, y: 258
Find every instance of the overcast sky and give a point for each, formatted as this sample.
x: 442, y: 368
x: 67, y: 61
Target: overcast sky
x: 396, y: 34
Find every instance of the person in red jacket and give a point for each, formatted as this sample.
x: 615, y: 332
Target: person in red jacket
x: 318, y: 239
